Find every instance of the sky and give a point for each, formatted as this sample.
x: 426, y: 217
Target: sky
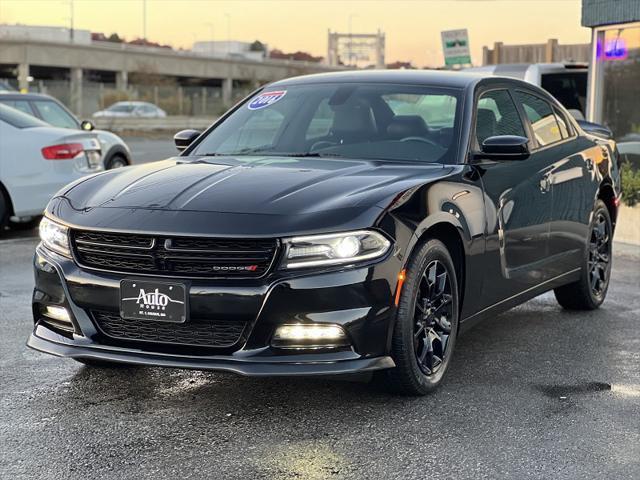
x: 412, y: 28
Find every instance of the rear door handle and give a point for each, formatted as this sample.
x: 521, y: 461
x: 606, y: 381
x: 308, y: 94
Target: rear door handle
x: 589, y: 162
x: 545, y: 184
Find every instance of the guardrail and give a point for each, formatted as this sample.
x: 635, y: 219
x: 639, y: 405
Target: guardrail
x: 172, y: 123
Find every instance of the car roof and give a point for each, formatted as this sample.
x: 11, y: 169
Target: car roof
x: 435, y: 78
x: 25, y: 96
x: 132, y: 102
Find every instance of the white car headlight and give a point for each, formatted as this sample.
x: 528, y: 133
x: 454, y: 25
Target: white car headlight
x: 334, y: 249
x: 55, y: 236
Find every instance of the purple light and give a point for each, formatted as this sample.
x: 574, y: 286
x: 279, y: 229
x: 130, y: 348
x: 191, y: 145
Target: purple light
x: 616, y: 49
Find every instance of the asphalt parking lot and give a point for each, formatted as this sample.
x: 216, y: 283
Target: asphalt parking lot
x: 144, y: 150
x: 534, y: 393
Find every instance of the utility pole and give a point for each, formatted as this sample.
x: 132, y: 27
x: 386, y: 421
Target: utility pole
x: 144, y: 20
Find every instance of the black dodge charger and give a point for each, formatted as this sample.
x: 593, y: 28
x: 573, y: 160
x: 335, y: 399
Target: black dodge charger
x: 332, y: 224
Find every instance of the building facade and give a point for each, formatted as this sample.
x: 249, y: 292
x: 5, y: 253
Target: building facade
x: 614, y: 79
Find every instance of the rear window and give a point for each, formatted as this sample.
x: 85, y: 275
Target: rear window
x: 19, y: 119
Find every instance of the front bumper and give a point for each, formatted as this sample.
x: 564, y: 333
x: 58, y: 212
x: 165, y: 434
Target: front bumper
x: 358, y: 299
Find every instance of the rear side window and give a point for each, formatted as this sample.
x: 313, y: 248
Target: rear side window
x: 497, y: 115
x: 543, y: 121
x: 22, y: 105
x: 19, y: 119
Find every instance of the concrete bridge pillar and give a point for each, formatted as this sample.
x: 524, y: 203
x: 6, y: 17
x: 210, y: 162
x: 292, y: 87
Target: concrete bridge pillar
x: 23, y: 77
x: 76, y: 91
x: 122, y: 80
x: 227, y: 91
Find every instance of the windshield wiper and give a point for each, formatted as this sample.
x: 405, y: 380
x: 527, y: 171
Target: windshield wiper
x: 242, y: 151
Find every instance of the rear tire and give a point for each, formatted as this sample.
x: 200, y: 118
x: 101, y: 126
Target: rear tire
x: 28, y: 225
x: 590, y: 290
x: 4, y: 211
x: 116, y: 161
x: 427, y: 322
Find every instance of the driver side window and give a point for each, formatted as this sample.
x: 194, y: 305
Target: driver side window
x: 497, y: 115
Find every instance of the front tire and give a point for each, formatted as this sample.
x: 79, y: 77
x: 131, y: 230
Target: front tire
x: 427, y: 322
x: 590, y: 290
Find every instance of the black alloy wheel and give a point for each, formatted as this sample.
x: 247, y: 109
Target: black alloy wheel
x: 599, y: 255
x: 432, y: 317
x: 427, y: 322
x: 590, y: 290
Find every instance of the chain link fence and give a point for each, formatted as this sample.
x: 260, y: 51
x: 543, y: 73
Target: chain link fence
x: 193, y: 101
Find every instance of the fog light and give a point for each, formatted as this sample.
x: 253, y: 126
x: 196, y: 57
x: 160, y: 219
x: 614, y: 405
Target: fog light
x: 309, y: 336
x: 59, y: 314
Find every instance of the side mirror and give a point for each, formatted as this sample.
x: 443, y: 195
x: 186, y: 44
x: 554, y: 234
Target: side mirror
x: 184, y: 138
x: 596, y: 129
x: 505, y: 147
x: 87, y: 125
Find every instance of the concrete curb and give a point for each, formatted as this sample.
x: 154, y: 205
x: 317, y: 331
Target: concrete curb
x: 628, y: 225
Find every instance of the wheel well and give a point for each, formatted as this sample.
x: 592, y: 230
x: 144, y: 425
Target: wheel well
x: 607, y: 195
x: 448, y: 234
x: 5, y: 193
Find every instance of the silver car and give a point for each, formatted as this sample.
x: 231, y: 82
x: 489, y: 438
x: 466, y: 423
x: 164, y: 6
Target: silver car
x: 116, y: 153
x: 37, y: 160
x: 131, y: 109
x: 567, y: 82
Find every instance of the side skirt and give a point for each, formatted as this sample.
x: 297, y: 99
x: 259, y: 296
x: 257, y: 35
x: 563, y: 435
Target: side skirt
x: 519, y: 298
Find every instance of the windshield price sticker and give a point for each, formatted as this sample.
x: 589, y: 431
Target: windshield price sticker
x: 266, y: 99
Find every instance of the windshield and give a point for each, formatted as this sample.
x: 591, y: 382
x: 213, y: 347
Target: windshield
x: 19, y: 119
x: 121, y: 107
x: 365, y: 121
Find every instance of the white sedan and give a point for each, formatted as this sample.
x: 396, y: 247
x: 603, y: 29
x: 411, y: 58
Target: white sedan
x: 131, y: 109
x: 37, y: 160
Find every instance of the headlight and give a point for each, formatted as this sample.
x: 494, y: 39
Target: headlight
x: 55, y: 236
x: 334, y: 249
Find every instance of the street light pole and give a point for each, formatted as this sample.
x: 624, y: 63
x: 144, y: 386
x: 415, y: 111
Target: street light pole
x: 144, y: 20
x: 351, y: 16
x: 71, y: 20
x: 212, y: 41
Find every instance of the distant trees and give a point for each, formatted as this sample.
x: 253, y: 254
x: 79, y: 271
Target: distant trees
x: 400, y: 66
x: 297, y: 56
x: 257, y: 46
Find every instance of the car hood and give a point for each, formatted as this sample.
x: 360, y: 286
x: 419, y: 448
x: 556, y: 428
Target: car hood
x: 250, y: 185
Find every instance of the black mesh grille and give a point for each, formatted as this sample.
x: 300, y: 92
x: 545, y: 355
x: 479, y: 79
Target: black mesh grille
x: 180, y: 256
x: 193, y: 333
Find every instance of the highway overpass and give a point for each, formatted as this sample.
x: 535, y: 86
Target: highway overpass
x: 121, y: 60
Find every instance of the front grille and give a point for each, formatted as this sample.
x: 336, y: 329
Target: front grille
x: 177, y: 256
x: 197, y: 333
